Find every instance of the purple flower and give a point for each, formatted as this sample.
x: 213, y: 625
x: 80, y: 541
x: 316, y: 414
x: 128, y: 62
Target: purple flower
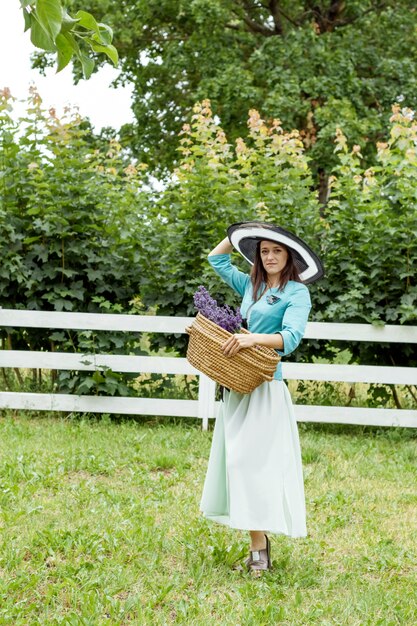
x: 223, y: 316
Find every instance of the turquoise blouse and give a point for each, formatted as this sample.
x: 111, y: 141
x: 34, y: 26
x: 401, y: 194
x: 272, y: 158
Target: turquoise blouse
x: 287, y: 315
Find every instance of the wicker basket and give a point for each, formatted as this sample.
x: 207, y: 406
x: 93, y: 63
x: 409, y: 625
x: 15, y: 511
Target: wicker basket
x: 242, y: 372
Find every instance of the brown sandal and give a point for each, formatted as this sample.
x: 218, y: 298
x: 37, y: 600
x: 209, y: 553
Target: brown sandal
x: 260, y: 560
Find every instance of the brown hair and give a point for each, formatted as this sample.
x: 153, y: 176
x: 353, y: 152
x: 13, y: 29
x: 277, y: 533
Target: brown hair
x: 259, y: 276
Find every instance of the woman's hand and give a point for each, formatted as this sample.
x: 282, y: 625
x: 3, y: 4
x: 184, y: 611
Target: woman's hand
x: 248, y: 340
x: 237, y: 342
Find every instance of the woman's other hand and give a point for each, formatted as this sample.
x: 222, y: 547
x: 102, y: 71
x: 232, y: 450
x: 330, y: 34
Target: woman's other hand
x: 237, y: 342
x: 248, y: 340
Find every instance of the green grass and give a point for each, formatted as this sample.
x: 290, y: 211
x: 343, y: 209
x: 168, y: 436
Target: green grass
x: 100, y: 525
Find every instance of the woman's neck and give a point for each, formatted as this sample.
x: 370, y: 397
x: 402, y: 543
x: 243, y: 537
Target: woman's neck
x: 273, y: 283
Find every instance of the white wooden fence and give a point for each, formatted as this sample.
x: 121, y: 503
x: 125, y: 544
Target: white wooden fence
x: 206, y: 406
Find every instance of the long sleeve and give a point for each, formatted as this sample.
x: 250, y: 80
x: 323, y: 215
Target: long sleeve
x: 295, y: 319
x: 236, y: 279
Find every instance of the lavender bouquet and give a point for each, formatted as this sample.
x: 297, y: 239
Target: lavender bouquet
x: 224, y: 316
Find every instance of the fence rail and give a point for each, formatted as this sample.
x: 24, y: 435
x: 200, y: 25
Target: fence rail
x: 205, y: 407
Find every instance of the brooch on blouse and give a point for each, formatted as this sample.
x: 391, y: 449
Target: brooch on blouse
x: 271, y: 299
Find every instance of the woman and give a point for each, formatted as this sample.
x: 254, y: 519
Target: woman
x: 254, y: 478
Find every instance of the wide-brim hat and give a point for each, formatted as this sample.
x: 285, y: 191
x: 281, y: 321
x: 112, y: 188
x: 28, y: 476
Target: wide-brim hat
x: 244, y: 237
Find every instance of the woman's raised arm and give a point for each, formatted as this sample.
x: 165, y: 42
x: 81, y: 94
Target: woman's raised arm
x: 224, y: 247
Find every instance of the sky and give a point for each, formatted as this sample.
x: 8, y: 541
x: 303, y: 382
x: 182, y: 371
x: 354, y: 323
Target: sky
x: 95, y: 99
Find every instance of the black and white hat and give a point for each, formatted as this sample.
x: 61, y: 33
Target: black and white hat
x: 244, y: 236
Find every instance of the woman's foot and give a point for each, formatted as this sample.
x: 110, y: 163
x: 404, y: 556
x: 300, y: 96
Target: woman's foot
x: 260, y: 555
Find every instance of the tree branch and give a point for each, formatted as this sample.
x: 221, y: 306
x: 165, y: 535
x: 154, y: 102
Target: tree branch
x: 290, y: 19
x: 233, y: 26
x: 396, y: 396
x: 327, y: 19
x: 335, y: 9
x: 358, y: 17
x: 255, y: 27
x: 276, y: 16
x: 331, y: 18
x: 410, y: 389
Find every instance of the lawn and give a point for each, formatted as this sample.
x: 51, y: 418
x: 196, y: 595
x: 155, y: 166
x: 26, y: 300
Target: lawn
x: 100, y: 526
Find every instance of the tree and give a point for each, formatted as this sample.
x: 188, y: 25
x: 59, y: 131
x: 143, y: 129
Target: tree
x: 370, y: 246
x: 71, y: 222
x: 314, y: 64
x: 53, y: 29
x: 68, y: 211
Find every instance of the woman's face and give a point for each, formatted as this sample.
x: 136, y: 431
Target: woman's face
x: 274, y: 258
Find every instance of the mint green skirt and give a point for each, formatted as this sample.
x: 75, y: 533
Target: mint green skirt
x: 254, y: 477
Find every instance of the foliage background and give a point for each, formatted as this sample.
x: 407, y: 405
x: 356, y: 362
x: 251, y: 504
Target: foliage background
x: 315, y: 65
x: 84, y: 229
x: 69, y: 214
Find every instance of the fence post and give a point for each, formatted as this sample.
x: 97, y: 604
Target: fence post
x: 206, y: 397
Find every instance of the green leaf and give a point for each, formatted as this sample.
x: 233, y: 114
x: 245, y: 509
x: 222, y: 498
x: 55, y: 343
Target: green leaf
x: 110, y: 50
x: 68, y: 22
x: 73, y: 42
x: 26, y: 3
x: 87, y: 64
x: 87, y: 21
x: 28, y: 20
x: 98, y: 377
x: 50, y: 16
x: 106, y: 33
x: 39, y: 37
x: 65, y: 51
x: 29, y: 240
x: 88, y: 383
x: 57, y: 336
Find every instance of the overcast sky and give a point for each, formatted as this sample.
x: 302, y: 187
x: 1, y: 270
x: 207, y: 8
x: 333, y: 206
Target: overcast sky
x: 95, y: 98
